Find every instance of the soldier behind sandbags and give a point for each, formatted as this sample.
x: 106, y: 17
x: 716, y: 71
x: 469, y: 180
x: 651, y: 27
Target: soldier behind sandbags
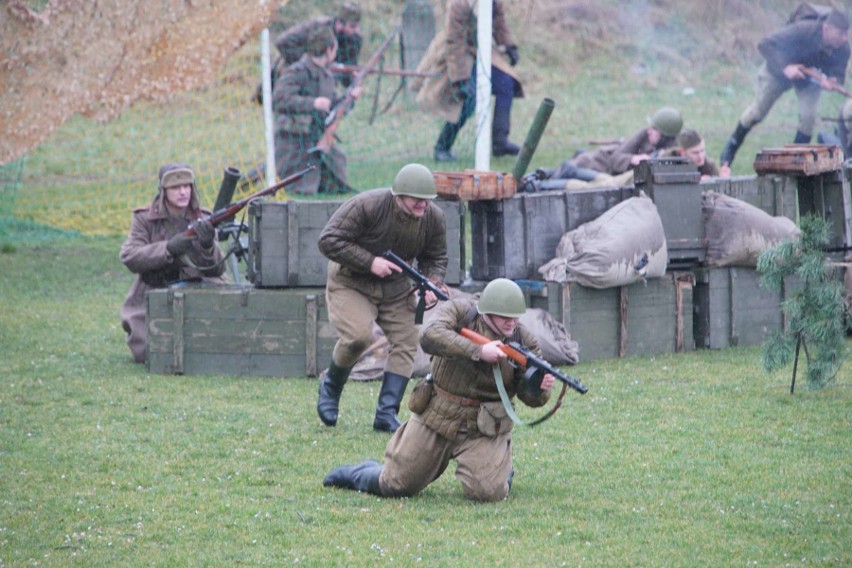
x: 363, y: 287
x: 460, y: 416
x: 691, y: 146
x: 159, y: 254
x: 302, y: 99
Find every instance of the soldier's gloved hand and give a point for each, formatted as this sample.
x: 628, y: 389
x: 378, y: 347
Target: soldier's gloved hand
x: 206, y: 233
x: 179, y: 244
x: 512, y: 54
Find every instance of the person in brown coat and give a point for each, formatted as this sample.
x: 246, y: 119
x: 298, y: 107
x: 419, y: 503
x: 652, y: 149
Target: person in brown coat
x: 160, y: 255
x: 363, y: 287
x: 463, y: 419
x: 302, y: 99
x: 451, y: 92
x: 691, y: 146
x: 619, y: 157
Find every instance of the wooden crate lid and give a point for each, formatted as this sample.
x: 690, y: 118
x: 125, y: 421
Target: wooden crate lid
x: 799, y: 159
x: 475, y: 185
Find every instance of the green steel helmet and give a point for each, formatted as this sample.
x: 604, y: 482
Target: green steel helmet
x: 668, y: 121
x: 415, y: 180
x: 502, y: 297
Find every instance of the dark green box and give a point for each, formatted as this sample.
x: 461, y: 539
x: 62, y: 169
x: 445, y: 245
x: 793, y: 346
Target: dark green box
x: 732, y: 309
x: 640, y: 319
x: 236, y: 330
x: 283, y: 237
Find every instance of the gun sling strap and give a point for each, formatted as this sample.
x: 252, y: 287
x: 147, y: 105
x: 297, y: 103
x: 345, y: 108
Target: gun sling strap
x: 510, y: 410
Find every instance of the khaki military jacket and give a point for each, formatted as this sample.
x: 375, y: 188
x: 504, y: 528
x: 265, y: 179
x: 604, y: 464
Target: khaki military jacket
x: 457, y: 369
x: 614, y: 159
x: 369, y: 224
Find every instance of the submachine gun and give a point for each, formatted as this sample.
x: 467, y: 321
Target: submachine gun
x: 421, y: 283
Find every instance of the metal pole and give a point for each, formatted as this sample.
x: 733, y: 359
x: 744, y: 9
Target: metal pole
x: 483, y: 86
x: 268, y: 124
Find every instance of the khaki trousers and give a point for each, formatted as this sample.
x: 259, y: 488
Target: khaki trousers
x: 352, y: 312
x: 416, y: 456
x: 769, y: 89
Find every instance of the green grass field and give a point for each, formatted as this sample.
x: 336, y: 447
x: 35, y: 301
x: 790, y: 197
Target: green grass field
x: 699, y: 459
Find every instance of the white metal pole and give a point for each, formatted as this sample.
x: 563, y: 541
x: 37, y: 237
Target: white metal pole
x: 266, y: 89
x: 483, y: 86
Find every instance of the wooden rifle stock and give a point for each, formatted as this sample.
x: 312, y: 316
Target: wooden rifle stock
x: 226, y: 213
x: 819, y: 76
x: 480, y: 339
x: 327, y: 140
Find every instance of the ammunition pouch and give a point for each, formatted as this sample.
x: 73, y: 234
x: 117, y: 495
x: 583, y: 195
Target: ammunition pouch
x: 161, y: 278
x: 421, y: 395
x: 492, y: 419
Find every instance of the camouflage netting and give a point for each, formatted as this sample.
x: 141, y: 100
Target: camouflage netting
x: 103, y: 55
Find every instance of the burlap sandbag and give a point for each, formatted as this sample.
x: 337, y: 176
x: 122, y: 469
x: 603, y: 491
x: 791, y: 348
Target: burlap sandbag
x: 626, y: 244
x: 737, y: 232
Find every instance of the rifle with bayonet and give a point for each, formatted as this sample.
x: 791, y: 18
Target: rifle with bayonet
x: 421, y: 283
x: 228, y: 212
x: 332, y: 121
x: 352, y: 69
x: 819, y: 76
x: 536, y: 366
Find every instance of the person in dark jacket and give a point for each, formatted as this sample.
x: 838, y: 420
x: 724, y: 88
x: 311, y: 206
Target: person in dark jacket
x: 157, y: 251
x: 463, y: 417
x: 819, y: 43
x: 363, y: 287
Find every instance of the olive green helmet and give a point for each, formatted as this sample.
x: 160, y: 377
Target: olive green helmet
x: 502, y: 297
x: 415, y: 180
x: 668, y: 121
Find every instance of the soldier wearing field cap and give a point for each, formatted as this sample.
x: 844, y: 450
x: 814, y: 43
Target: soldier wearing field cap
x: 813, y: 38
x: 157, y: 251
x: 458, y: 415
x: 616, y: 158
x: 363, y: 287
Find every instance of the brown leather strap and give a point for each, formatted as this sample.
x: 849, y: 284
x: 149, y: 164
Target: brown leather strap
x: 461, y: 400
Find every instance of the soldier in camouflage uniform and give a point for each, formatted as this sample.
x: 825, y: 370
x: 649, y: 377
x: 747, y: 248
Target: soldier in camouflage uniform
x: 302, y: 99
x: 463, y: 419
x: 158, y: 253
x: 363, y: 287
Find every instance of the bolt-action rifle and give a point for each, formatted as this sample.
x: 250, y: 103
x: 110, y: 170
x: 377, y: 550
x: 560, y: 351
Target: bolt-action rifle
x: 819, y: 76
x: 332, y: 121
x: 536, y: 366
x: 421, y: 283
x: 227, y: 213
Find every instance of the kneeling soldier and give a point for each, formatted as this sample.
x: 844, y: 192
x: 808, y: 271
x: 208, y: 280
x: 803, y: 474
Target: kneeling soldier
x: 462, y: 418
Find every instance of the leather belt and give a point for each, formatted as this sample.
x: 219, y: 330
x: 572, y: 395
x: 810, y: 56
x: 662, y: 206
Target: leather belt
x: 461, y: 400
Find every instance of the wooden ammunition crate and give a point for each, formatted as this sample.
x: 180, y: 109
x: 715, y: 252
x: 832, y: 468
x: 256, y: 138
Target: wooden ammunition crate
x: 473, y: 185
x: 640, y: 319
x: 283, y: 239
x: 799, y: 159
x: 512, y: 238
x: 828, y: 196
x: 732, y: 309
x: 237, y: 330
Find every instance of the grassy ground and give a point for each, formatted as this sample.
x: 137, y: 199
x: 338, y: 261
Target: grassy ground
x: 699, y: 459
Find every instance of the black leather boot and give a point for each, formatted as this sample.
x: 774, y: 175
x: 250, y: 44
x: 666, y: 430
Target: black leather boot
x: 732, y: 145
x: 330, y: 389
x: 361, y: 477
x: 500, y: 145
x: 802, y: 138
x: 445, y: 141
x: 390, y: 397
